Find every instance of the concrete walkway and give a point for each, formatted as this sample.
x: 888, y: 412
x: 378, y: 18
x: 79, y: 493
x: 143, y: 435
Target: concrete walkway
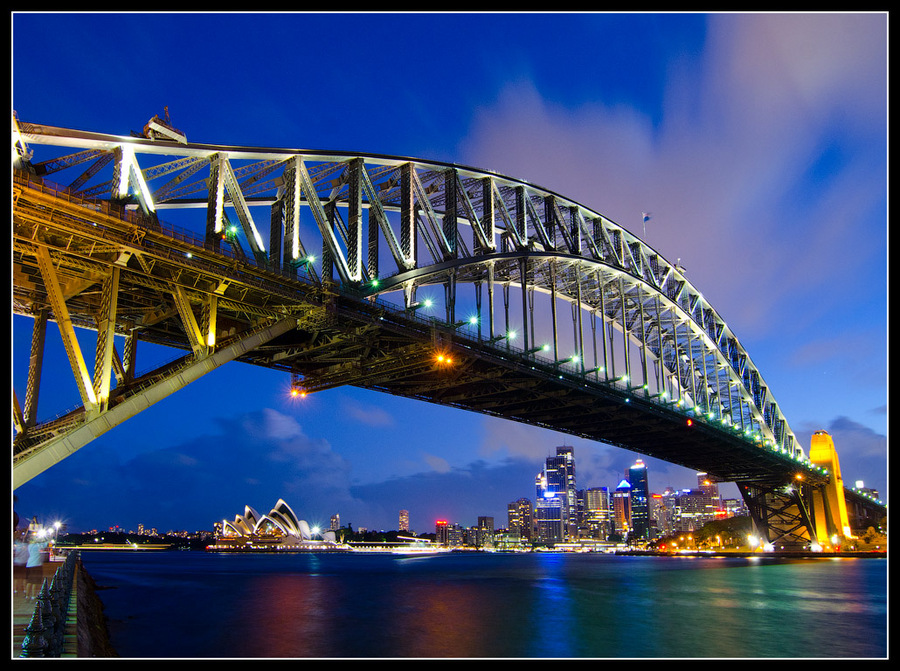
x: 23, y: 609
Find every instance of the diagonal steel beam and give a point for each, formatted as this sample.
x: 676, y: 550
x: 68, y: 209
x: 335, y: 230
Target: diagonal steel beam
x: 67, y: 331
x: 41, y: 458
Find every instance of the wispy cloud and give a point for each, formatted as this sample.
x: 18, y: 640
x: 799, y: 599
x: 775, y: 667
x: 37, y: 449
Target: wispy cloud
x: 733, y: 172
x: 367, y: 414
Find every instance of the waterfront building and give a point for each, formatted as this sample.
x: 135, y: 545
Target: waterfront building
x: 622, y: 508
x: 279, y: 529
x: 449, y: 535
x: 697, y: 507
x: 657, y: 514
x: 640, y: 502
x: 557, y: 480
x: 335, y: 522
x: 597, y: 517
x: 549, y: 519
x: 403, y: 522
x: 484, y: 532
x: 735, y: 508
x: 520, y: 518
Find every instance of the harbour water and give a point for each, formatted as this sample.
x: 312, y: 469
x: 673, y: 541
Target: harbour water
x: 486, y: 605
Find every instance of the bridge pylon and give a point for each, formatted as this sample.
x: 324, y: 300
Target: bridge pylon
x: 799, y: 515
x: 830, y: 506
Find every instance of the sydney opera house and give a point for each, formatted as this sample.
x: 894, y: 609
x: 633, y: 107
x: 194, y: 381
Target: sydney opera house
x: 279, y: 530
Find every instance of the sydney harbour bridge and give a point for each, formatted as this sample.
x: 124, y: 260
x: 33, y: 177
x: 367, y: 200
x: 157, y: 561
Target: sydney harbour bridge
x: 427, y: 280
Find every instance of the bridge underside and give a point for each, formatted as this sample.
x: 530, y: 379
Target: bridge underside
x: 479, y: 378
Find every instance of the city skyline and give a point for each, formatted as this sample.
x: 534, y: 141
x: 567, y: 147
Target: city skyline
x: 501, y: 522
x: 757, y: 143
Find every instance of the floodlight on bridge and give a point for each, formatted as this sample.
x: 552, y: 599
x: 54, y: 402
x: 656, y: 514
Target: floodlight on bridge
x: 427, y: 303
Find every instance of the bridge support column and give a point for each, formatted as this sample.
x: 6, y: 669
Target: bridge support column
x: 35, y: 366
x: 780, y: 515
x: 829, y: 504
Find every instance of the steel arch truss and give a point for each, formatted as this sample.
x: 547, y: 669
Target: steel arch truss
x: 369, y: 226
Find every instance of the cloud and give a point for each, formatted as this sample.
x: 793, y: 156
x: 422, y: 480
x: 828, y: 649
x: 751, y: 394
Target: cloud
x: 772, y: 144
x: 862, y: 453
x: 253, y: 459
x: 438, y: 464
x: 368, y: 415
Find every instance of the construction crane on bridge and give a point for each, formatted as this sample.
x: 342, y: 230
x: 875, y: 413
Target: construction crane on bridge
x: 162, y: 129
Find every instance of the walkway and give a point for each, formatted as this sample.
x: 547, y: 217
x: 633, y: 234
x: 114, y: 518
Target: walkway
x: 23, y: 609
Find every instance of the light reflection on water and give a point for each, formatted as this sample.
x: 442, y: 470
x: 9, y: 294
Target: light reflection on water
x: 185, y: 604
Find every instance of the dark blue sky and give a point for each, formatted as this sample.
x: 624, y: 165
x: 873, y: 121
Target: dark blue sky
x: 758, y: 142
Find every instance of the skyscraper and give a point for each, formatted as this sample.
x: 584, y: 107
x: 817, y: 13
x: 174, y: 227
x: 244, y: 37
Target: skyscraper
x: 622, y: 507
x: 597, y: 512
x: 557, y: 481
x: 640, y: 501
x: 520, y: 518
x: 403, y: 524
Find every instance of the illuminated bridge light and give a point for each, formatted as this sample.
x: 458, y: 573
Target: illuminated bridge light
x: 443, y: 359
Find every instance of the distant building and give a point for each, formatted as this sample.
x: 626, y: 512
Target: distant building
x: 622, y: 507
x: 597, y: 517
x: 278, y: 529
x: 448, y: 535
x: 520, y: 518
x: 556, y: 494
x: 640, y: 502
x: 484, y: 537
x: 549, y: 518
x: 403, y: 523
x: 697, y: 507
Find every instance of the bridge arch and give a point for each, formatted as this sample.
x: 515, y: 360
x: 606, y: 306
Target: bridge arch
x: 296, y: 256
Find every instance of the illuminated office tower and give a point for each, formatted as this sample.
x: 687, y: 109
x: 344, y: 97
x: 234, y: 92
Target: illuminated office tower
x: 485, y: 532
x: 710, y: 487
x: 557, y: 480
x: 549, y: 519
x: 442, y: 533
x: 520, y: 518
x: 622, y: 508
x: 403, y: 524
x: 640, y: 501
x: 657, y: 514
x: 335, y: 522
x: 597, y: 512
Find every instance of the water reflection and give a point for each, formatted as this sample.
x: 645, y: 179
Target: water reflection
x: 480, y: 605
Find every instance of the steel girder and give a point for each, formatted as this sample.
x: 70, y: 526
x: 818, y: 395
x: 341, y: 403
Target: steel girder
x: 781, y: 514
x: 385, y: 225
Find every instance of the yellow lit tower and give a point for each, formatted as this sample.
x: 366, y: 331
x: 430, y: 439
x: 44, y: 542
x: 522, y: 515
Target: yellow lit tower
x: 830, y: 509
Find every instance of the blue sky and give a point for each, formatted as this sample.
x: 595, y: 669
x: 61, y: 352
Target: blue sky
x: 758, y: 142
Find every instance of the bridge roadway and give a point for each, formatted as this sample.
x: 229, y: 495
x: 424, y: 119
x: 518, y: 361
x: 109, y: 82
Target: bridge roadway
x: 94, y: 264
